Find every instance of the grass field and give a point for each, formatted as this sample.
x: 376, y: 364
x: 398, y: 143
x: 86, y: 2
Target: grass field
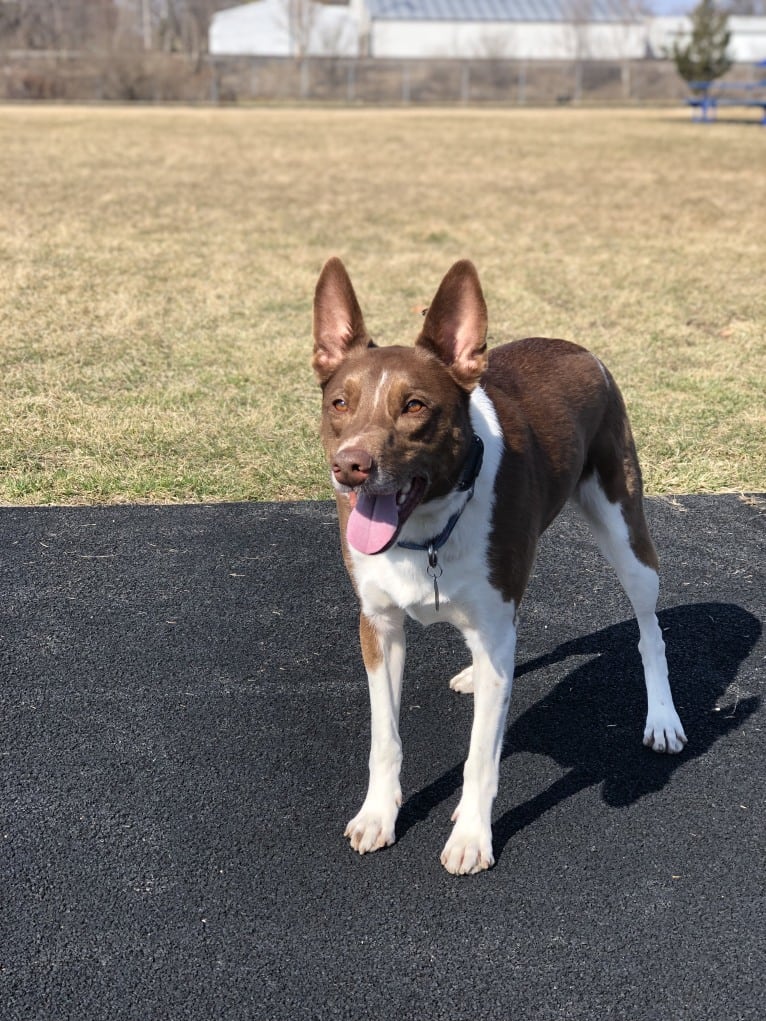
x: 157, y: 269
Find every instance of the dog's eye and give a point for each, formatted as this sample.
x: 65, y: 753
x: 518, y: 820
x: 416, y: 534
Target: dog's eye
x: 339, y: 404
x: 413, y: 407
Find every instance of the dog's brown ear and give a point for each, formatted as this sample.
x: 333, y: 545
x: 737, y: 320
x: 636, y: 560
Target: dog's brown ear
x: 455, y: 329
x: 338, y: 321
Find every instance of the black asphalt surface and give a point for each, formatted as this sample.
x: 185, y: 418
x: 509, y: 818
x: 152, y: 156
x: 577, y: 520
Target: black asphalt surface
x: 185, y: 727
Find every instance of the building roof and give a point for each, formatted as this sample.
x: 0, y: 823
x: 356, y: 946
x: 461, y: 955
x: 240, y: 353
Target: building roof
x: 567, y: 11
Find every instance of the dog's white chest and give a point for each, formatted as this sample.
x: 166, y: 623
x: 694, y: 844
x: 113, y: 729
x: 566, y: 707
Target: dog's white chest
x: 403, y: 577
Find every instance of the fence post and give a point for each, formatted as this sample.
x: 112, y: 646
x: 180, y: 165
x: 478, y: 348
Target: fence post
x: 351, y: 81
x: 522, y: 92
x: 626, y: 82
x: 465, y: 83
x: 214, y: 90
x: 405, y: 83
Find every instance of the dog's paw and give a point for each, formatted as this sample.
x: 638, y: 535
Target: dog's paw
x: 371, y: 829
x: 463, y: 682
x: 664, y: 732
x: 468, y: 850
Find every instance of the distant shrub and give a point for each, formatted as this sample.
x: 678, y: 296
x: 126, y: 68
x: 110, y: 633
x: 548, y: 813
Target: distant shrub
x: 704, y: 58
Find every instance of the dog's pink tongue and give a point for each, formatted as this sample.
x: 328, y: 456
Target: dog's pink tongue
x: 373, y: 523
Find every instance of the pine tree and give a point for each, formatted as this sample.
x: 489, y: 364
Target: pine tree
x: 704, y: 57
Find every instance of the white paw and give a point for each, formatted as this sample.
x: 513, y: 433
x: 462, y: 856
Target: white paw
x: 372, y: 828
x: 468, y: 850
x: 664, y: 731
x: 463, y: 682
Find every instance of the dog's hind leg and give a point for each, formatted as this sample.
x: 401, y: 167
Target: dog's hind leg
x: 463, y: 682
x: 383, y: 650
x: 622, y: 535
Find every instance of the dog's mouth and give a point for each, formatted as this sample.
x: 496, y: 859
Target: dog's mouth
x: 377, y: 518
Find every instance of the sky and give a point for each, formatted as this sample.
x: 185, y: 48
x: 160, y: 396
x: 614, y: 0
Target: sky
x: 670, y: 6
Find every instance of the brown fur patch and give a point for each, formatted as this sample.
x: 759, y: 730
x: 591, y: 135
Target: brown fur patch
x: 549, y: 396
x: 372, y: 653
x: 431, y: 443
x: 455, y: 328
x: 613, y: 455
x: 338, y: 322
x: 562, y: 419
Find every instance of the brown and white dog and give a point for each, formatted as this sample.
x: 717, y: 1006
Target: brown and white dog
x: 448, y: 463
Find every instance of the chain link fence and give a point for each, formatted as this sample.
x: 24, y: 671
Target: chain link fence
x: 499, y: 82
x: 161, y: 77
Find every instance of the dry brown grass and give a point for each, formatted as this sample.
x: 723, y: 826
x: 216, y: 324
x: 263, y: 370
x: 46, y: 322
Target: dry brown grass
x: 158, y: 267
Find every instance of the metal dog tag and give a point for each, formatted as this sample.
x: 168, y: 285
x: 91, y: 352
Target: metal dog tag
x: 434, y: 571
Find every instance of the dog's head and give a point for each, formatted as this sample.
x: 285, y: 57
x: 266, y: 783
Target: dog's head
x: 395, y: 423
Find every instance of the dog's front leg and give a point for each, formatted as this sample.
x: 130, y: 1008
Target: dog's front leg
x: 469, y: 848
x: 383, y: 648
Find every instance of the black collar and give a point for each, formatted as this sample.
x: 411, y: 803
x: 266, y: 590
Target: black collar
x: 472, y: 465
x: 465, y: 483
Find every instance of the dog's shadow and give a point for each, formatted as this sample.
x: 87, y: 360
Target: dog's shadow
x: 591, y: 723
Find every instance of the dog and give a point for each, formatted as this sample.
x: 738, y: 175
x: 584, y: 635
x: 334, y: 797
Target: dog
x: 448, y: 462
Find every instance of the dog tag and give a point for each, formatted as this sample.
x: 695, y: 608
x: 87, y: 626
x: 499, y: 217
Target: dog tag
x: 435, y: 571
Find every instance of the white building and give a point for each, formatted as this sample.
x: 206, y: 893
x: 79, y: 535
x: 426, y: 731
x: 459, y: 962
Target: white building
x: 521, y: 29
x: 747, y: 45
x: 285, y: 28
x: 468, y: 29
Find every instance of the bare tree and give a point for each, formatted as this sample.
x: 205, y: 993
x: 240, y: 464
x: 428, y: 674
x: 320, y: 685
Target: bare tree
x: 496, y: 45
x: 495, y: 50
x: 174, y: 26
x: 631, y: 13
x: 184, y: 25
x: 300, y: 17
x: 31, y: 25
x: 57, y: 24
x: 580, y: 16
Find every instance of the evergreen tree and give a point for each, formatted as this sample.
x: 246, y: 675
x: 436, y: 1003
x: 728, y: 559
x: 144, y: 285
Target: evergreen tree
x: 703, y: 58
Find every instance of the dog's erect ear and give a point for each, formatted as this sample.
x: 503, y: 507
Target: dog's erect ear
x: 455, y: 329
x: 338, y: 322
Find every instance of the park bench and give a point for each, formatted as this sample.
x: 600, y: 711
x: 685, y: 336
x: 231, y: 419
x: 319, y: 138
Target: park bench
x: 707, y: 97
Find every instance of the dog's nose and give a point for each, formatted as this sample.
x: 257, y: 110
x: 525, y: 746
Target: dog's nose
x: 352, y: 466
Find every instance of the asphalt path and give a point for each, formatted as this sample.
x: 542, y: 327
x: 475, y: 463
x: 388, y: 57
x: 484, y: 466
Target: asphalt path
x: 184, y: 736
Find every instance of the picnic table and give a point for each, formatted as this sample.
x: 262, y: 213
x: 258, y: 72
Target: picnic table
x: 707, y: 97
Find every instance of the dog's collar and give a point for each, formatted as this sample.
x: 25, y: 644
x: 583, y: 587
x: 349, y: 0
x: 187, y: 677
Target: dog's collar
x: 465, y: 484
x: 472, y: 465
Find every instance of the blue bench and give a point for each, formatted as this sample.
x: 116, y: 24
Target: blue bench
x: 709, y: 96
